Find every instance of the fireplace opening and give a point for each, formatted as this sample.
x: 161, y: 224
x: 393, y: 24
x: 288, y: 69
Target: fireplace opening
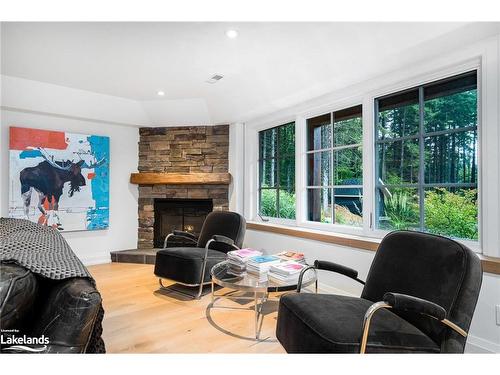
x: 179, y: 214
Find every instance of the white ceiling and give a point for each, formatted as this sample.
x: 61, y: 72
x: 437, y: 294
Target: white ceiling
x: 270, y: 65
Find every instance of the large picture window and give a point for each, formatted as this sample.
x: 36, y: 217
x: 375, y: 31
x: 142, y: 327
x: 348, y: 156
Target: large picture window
x: 426, y: 158
x: 277, y: 172
x: 334, y: 167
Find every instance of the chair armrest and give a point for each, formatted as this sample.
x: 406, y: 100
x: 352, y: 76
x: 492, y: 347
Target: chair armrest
x: 179, y: 233
x: 405, y: 302
x: 221, y: 239
x: 329, y: 266
x: 337, y: 268
x: 301, y: 277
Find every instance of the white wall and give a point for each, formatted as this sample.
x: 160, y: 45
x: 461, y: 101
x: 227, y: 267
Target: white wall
x: 69, y: 111
x: 484, y: 333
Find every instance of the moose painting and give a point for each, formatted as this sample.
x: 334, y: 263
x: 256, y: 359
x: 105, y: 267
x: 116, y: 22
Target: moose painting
x: 59, y: 179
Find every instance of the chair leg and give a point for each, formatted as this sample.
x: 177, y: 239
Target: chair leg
x: 178, y: 291
x: 203, y: 269
x: 200, y: 289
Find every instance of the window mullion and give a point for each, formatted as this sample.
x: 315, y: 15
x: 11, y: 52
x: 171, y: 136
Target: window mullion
x: 421, y: 192
x: 332, y: 171
x: 278, y: 172
x: 373, y: 224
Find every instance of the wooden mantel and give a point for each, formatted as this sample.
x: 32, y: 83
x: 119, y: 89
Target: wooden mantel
x: 151, y: 178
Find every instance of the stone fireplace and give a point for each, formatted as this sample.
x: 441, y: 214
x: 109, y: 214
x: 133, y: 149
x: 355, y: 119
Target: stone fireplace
x: 179, y: 214
x: 188, y: 153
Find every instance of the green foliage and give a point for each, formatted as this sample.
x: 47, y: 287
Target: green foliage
x: 287, y: 205
x: 348, y: 132
x: 348, y: 165
x: 344, y: 216
x: 277, y: 170
x: 269, y: 204
x: 449, y: 158
x: 402, y: 213
x: 452, y: 214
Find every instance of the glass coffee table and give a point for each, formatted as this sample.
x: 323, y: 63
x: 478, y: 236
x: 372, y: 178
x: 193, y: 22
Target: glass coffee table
x: 259, y: 289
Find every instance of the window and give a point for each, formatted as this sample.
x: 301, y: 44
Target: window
x: 277, y: 172
x: 426, y: 158
x: 334, y: 167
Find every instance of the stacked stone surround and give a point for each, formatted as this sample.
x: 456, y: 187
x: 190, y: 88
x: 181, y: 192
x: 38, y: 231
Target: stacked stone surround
x: 192, y: 149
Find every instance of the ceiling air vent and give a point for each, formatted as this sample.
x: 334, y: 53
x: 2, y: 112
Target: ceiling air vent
x: 214, y: 78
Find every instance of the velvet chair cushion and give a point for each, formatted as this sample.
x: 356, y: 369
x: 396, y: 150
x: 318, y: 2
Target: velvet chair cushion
x: 18, y: 291
x: 320, y: 323
x: 184, y: 264
x: 225, y: 223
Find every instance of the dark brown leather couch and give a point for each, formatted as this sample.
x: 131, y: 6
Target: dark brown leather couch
x: 41, y: 315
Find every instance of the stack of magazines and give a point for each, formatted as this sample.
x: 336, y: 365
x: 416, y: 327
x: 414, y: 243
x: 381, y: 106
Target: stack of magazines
x: 285, y: 272
x: 258, y: 266
x: 292, y: 255
x: 238, y: 259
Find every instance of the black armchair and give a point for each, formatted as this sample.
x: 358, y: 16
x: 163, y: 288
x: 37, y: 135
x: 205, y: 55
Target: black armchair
x: 222, y: 231
x: 419, y: 297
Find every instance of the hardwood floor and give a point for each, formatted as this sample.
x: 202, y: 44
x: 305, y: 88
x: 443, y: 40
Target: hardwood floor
x: 140, y: 318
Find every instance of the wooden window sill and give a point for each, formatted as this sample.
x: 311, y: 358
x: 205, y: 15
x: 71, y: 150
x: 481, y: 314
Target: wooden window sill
x: 490, y: 264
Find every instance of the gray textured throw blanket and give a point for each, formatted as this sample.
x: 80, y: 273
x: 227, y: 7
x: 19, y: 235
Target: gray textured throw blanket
x: 45, y: 252
x: 40, y: 249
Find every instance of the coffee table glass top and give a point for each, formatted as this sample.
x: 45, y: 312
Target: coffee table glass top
x: 248, y: 283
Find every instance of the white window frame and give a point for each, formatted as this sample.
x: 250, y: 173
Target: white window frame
x: 474, y: 64
x: 272, y: 219
x: 301, y: 181
x: 252, y: 153
x: 481, y: 56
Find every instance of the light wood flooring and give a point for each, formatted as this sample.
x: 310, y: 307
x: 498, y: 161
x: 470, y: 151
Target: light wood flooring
x: 141, y: 318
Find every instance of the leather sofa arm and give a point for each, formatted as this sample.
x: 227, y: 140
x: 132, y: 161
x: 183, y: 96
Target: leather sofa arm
x: 68, y: 315
x: 405, y: 302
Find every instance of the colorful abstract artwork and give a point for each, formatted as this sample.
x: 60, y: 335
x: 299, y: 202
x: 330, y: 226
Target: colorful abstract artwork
x: 59, y: 179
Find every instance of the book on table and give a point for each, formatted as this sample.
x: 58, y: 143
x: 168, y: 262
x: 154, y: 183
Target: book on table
x: 237, y: 260
x: 285, y: 272
x: 258, y: 266
x: 291, y: 255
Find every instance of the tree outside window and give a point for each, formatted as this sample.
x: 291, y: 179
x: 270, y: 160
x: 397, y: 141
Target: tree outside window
x: 426, y: 158
x: 277, y: 172
x: 335, y: 167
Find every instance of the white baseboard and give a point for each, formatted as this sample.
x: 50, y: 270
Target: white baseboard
x: 478, y: 345
x: 328, y: 289
x: 100, y: 259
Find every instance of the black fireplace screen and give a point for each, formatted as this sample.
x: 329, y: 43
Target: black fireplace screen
x: 179, y: 214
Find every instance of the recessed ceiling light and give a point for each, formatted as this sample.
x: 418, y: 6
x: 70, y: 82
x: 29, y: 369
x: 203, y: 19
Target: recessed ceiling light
x: 232, y: 34
x: 161, y: 93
